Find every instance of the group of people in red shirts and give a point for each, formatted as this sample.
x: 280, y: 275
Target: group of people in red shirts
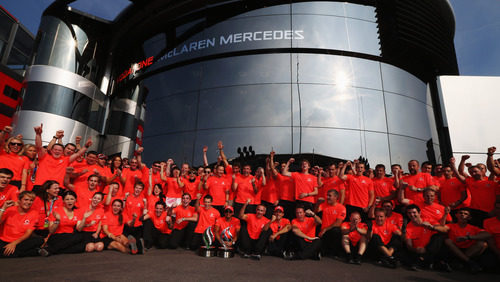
x: 64, y: 198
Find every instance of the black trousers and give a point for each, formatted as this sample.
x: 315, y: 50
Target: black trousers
x: 269, y: 209
x: 304, y: 249
x: 434, y: 251
x: 289, y: 208
x: 331, y: 242
x: 306, y: 205
x: 477, y: 217
x: 66, y: 243
x: 253, y: 246
x: 153, y: 236
x: 376, y: 242
x: 26, y: 248
x: 182, y: 237
x: 276, y: 247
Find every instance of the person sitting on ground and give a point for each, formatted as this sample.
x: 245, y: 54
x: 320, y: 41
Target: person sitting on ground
x: 17, y: 223
x: 305, y: 242
x: 62, y: 238
x: 227, y: 229
x: 354, y: 233
x: 157, y: 226
x: 332, y: 215
x: 255, y: 233
x: 385, y: 239
x: 113, y: 223
x: 207, y: 216
x: 466, y: 241
x: 90, y: 223
x: 279, y: 240
x: 185, y: 221
x: 423, y: 241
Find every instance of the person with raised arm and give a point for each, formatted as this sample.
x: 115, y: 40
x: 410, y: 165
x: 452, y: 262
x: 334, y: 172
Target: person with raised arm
x: 53, y: 166
x: 359, y: 188
x: 185, y: 218
x: 157, y: 226
x: 255, y: 233
x: 305, y: 243
x: 306, y: 184
x: 285, y: 187
x: 11, y: 157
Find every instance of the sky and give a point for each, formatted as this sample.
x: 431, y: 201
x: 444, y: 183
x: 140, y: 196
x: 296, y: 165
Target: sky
x: 477, y: 35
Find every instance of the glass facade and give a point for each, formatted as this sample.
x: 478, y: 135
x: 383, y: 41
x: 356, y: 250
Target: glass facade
x: 305, y: 101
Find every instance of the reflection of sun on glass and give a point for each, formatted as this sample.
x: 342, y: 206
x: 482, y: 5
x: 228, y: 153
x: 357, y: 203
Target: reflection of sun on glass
x: 342, y: 80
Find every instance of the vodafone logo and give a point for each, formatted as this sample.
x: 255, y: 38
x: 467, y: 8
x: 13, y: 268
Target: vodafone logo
x: 2, y: 197
x: 26, y: 221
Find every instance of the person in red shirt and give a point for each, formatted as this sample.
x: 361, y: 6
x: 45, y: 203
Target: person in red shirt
x: 385, y: 239
x: 423, y: 242
x: 85, y: 171
x: 306, y: 184
x: 305, y: 243
x: 359, y: 189
x: 412, y: 186
x: 227, y: 228
x: 466, y: 241
x: 245, y: 187
x: 383, y: 186
x: 157, y: 226
x: 332, y: 181
x: 269, y: 190
x: 113, y: 224
x: 354, y: 233
x: 89, y: 223
x: 7, y: 191
x: 254, y: 235
x: 431, y: 211
x: 11, y: 157
x: 135, y: 205
x: 62, y: 238
x: 218, y: 187
x: 113, y: 194
x: 84, y: 193
x: 391, y: 216
x: 332, y: 214
x: 30, y: 154
x: 452, y: 191
x: 191, y: 185
x: 45, y: 204
x: 279, y: 239
x: 206, y: 221
x: 17, y: 225
x: 154, y: 195
x: 52, y: 164
x: 174, y: 187
x: 185, y: 221
x: 285, y: 186
x: 131, y: 175
x: 492, y: 226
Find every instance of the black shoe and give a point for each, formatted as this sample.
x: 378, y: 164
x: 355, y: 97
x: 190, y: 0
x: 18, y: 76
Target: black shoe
x: 245, y: 255
x: 357, y: 259
x: 414, y: 267
x: 349, y: 259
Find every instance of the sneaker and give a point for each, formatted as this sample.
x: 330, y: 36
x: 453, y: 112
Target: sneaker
x: 414, y: 267
x: 357, y: 261
x: 43, y: 252
x: 133, y: 244
x: 256, y: 257
x: 245, y: 255
x: 318, y: 257
x: 288, y: 255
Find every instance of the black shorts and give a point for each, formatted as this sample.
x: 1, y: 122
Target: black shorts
x: 88, y: 238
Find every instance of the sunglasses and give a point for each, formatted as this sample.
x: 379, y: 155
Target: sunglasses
x: 228, y: 211
x: 15, y: 144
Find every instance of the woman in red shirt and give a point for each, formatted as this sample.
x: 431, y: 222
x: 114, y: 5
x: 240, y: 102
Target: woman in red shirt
x: 30, y: 155
x: 11, y: 157
x: 112, y: 229
x: 62, y: 238
x: 89, y: 224
x: 45, y: 204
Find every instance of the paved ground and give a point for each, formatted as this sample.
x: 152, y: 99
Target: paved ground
x: 161, y: 265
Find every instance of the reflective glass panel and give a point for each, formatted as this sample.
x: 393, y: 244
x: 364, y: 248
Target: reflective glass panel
x: 182, y: 79
x: 404, y: 149
x: 338, y: 143
x: 399, y: 81
x: 262, y: 140
x: 177, y: 146
x: 376, y: 147
x: 407, y: 116
x: 172, y: 113
x: 252, y: 105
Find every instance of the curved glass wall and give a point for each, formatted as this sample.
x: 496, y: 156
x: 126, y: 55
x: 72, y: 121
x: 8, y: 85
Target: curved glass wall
x: 306, y: 101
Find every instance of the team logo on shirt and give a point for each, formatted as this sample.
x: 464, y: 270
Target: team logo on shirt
x: 26, y: 221
x: 362, y: 181
x: 309, y: 180
x: 385, y: 232
x: 138, y: 204
x: 438, y: 212
x: 60, y: 161
x: 2, y: 197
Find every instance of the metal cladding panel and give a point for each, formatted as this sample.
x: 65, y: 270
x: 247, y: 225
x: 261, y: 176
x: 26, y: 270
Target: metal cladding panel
x: 26, y: 120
